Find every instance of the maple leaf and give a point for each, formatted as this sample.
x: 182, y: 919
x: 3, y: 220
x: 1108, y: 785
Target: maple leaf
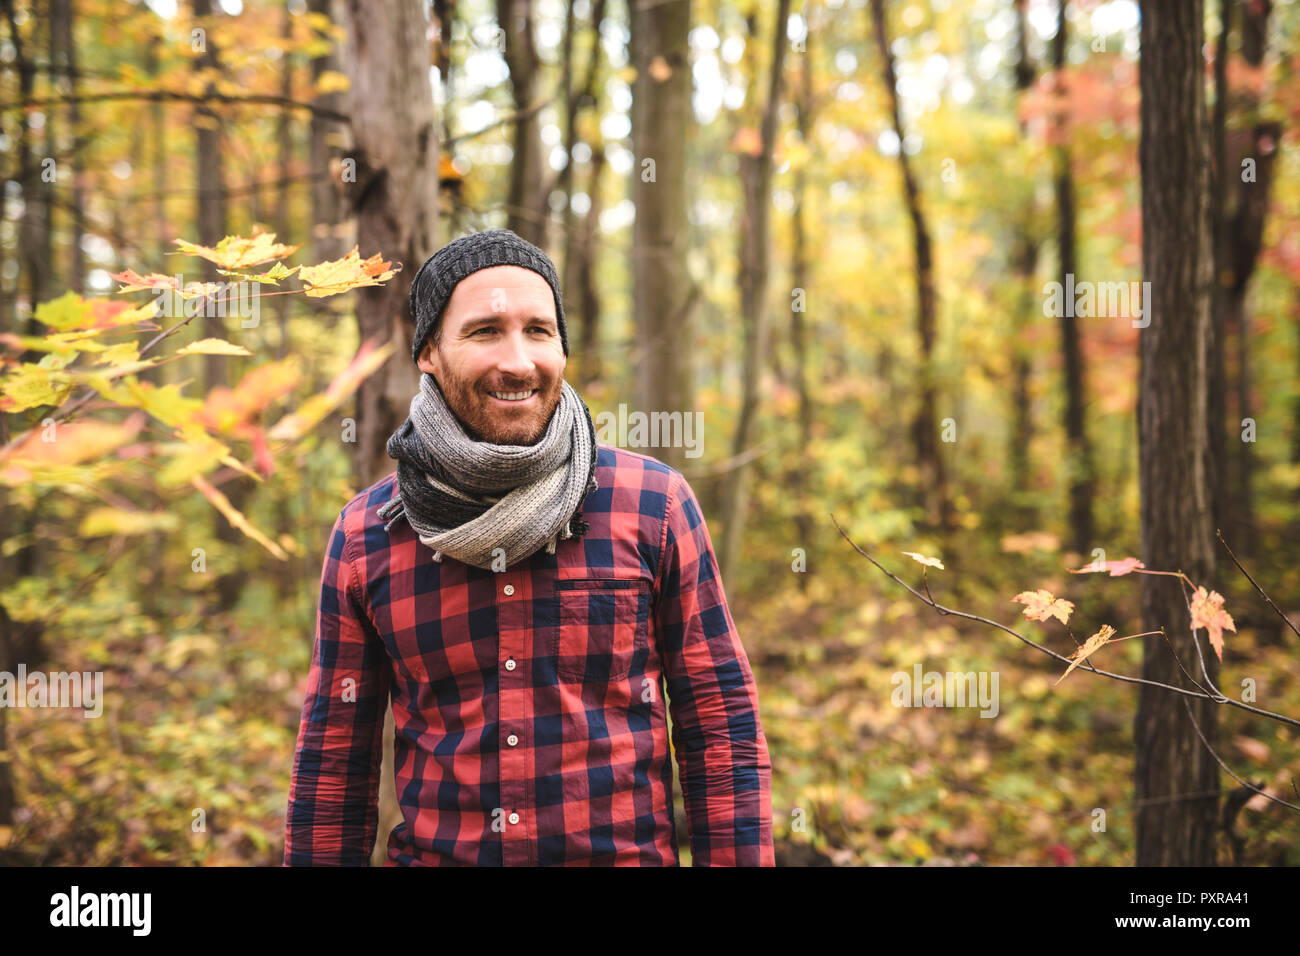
x: 1040, y: 605
x: 237, y: 252
x: 1208, y: 612
x: 1116, y: 568
x: 272, y: 277
x: 350, y: 272
x: 135, y: 282
x: 1086, y: 650
x: 922, y: 559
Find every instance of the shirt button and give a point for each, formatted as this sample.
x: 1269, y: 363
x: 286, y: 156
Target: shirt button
x: 510, y: 664
x: 512, y: 740
x: 509, y: 589
x: 513, y: 818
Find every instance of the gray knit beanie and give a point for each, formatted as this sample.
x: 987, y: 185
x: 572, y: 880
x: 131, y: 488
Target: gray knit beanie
x: 433, y: 284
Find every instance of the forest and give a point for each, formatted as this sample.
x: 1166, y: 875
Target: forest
x: 977, y: 324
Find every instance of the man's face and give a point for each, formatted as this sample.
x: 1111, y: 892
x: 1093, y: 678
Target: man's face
x: 499, y: 338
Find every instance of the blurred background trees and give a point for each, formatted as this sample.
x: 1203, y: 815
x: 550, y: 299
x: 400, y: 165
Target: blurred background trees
x: 830, y: 227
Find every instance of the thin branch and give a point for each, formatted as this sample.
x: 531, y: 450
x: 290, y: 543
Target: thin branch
x: 1220, y: 762
x: 1065, y: 660
x: 158, y: 96
x: 1266, y: 598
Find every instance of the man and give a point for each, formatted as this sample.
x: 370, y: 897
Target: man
x: 528, y: 596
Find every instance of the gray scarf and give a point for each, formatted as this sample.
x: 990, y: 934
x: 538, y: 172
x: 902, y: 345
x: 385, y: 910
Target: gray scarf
x: 468, y: 498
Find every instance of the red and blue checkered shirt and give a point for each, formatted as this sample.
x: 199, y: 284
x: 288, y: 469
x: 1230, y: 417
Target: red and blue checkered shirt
x: 529, y: 704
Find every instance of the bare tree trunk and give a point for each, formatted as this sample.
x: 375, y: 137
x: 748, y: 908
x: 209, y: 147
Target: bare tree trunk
x: 664, y: 293
x: 925, y: 427
x: 1024, y: 264
x: 15, y: 523
x: 1176, y: 779
x: 395, y: 199
x: 805, y: 473
x: 1079, y: 459
x: 578, y: 250
x: 327, y: 144
x: 591, y: 368
x: 756, y: 182
x: 212, y: 223
x: 527, y: 204
x: 1216, y: 400
x: 1237, y: 252
x: 65, y: 49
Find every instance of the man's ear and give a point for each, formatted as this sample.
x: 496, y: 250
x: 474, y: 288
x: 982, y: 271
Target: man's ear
x: 427, y: 361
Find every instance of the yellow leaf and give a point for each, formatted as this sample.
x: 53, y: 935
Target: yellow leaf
x: 104, y: 521
x: 122, y: 353
x: 350, y: 272
x: 271, y: 277
x: 238, y: 252
x: 65, y: 312
x: 30, y: 385
x: 213, y: 347
x: 233, y: 515
x: 1091, y: 645
x: 332, y: 81
x: 922, y: 559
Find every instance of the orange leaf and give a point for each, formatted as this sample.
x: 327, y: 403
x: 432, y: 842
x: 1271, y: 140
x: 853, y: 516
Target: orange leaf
x: 1208, y: 612
x: 135, y: 282
x: 1092, y: 644
x: 1040, y: 605
x: 1116, y: 568
x: 73, y: 443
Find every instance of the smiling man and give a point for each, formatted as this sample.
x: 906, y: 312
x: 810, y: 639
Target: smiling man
x: 528, y: 597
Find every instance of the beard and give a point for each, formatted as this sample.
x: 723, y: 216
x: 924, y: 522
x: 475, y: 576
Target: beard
x: 486, y: 419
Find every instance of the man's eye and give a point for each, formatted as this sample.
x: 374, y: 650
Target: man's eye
x: 482, y: 329
x: 542, y: 328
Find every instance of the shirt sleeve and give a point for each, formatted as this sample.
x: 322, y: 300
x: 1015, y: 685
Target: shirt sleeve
x: 722, y: 755
x: 333, y: 807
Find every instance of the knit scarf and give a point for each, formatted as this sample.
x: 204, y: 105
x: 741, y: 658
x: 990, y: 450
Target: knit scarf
x: 468, y: 498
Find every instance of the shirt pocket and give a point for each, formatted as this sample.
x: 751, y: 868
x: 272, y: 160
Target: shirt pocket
x: 603, y: 624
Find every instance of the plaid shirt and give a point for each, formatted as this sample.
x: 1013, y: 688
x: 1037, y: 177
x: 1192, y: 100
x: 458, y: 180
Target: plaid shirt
x: 529, y: 704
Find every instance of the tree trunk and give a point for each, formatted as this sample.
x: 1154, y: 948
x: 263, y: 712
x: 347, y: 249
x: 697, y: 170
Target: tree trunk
x: 804, y: 477
x: 1176, y: 779
x: 527, y: 205
x: 1240, y: 237
x: 663, y: 291
x: 1216, y: 458
x: 1079, y: 460
x: 1024, y: 264
x: 394, y: 198
x: 925, y: 429
x: 578, y: 249
x: 756, y: 182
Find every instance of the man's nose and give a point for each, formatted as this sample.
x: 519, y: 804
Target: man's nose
x: 513, y: 358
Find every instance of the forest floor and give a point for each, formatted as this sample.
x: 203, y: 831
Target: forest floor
x: 1046, y: 780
